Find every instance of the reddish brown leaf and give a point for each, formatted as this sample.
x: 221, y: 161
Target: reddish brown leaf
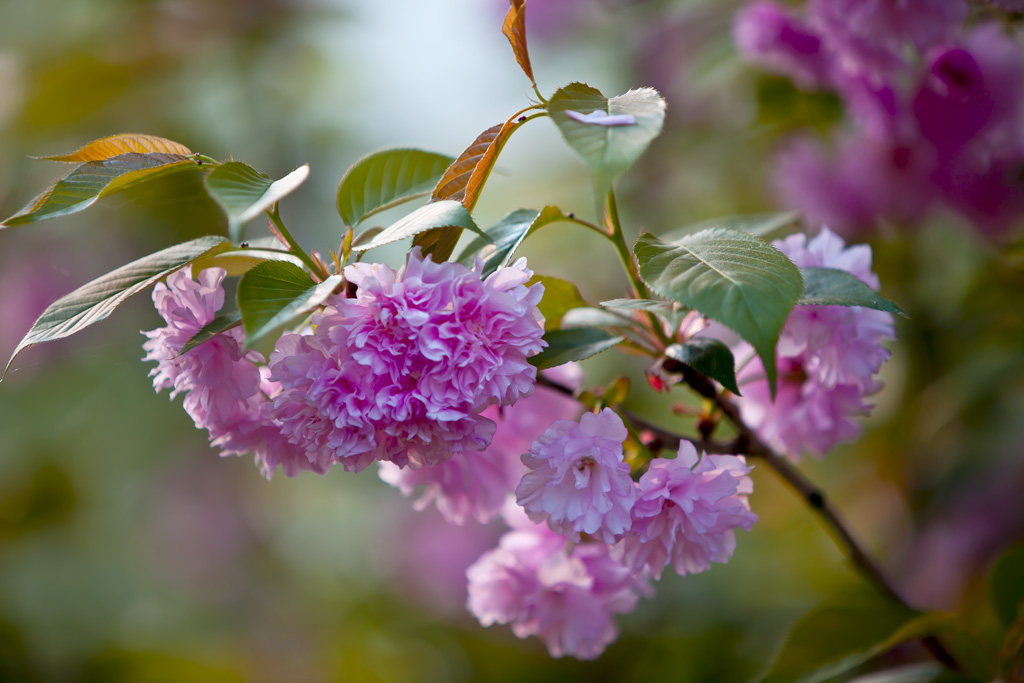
x: 514, y: 29
x: 126, y: 143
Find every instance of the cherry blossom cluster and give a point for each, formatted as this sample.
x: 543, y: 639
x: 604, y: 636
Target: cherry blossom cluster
x: 935, y: 107
x: 402, y: 372
x: 425, y: 371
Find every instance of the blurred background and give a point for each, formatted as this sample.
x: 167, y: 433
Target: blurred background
x: 130, y: 552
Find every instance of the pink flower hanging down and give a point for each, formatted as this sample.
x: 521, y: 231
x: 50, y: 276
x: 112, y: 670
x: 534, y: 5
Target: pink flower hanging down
x: 828, y: 358
x: 223, y: 386
x: 578, y: 480
x: 566, y: 597
x: 402, y: 372
x: 686, y: 513
x: 475, y: 484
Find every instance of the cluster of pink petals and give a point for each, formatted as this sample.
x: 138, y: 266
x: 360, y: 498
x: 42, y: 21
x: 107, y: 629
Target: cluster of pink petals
x: 686, y: 513
x: 475, y: 484
x: 544, y: 586
x: 402, y: 372
x: 936, y: 109
x: 578, y: 480
x: 828, y: 358
x: 225, y: 389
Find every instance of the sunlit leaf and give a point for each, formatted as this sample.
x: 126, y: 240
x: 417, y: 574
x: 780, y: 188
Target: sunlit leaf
x: 273, y: 294
x: 514, y: 29
x: 387, y: 178
x: 463, y: 181
x: 237, y: 261
x: 578, y: 343
x: 505, y: 237
x: 559, y: 296
x: 84, y: 185
x: 841, y: 634
x: 709, y: 357
x: 222, y: 323
x: 760, y: 224
x: 443, y: 215
x: 835, y: 287
x: 96, y: 300
x: 125, y: 143
x: 607, y: 150
x: 244, y: 193
x: 729, y: 276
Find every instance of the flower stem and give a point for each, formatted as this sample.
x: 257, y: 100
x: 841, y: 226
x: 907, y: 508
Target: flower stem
x: 275, y: 217
x: 617, y: 236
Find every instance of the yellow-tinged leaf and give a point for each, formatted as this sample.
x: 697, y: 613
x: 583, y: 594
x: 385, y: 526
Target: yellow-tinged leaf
x: 126, y: 143
x: 514, y: 29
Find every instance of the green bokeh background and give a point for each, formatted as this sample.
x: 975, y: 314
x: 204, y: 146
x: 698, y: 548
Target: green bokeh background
x: 130, y: 552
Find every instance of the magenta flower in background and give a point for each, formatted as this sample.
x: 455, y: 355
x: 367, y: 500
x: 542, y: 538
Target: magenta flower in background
x: 403, y: 371
x: 578, y: 479
x: 686, y: 513
x: 475, y: 484
x: 828, y: 358
x: 537, y: 584
x: 223, y: 386
x: 769, y: 34
x: 936, y: 111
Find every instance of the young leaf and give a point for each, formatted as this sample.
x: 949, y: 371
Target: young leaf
x: 730, y: 276
x: 125, y: 143
x: 222, y: 323
x: 505, y: 237
x: 463, y: 181
x: 760, y: 224
x: 439, y: 216
x: 1007, y: 585
x: 237, y: 261
x: 274, y: 293
x: 387, y: 178
x: 607, y: 150
x: 514, y: 29
x: 839, y: 635
x: 709, y: 357
x: 244, y: 193
x: 834, y: 287
x: 96, y: 300
x: 577, y: 343
x: 81, y: 187
x: 560, y: 296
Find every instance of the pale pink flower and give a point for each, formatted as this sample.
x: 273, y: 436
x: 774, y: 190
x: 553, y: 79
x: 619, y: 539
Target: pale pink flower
x: 687, y: 512
x: 541, y: 586
x: 578, y: 479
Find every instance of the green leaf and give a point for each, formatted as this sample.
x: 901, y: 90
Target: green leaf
x: 96, y: 300
x: 93, y: 180
x: 444, y: 214
x: 237, y: 261
x: 274, y: 293
x: 387, y: 178
x: 607, y: 150
x: 839, y: 635
x: 244, y: 193
x: 760, y: 224
x: 222, y: 323
x: 834, y: 287
x: 577, y: 343
x: 729, y: 276
x: 669, y: 311
x: 505, y: 236
x: 560, y: 296
x: 709, y: 357
x: 1007, y: 585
